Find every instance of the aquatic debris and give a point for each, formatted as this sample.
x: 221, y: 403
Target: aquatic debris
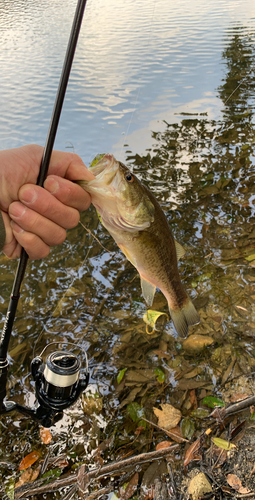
x: 168, y: 416
x: 199, y: 486
x: 151, y: 318
x: 135, y: 220
x: 196, y: 343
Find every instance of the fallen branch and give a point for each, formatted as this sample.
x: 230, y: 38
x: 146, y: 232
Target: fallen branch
x: 32, y: 489
x: 225, y: 412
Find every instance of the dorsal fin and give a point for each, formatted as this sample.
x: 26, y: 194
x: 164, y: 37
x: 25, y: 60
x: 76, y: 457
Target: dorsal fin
x: 180, y: 252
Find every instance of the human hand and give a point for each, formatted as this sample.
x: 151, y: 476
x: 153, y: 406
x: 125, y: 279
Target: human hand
x: 36, y: 218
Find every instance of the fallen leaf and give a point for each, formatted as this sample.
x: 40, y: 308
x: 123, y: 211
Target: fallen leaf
x: 187, y: 428
x: 29, y: 460
x: 46, y: 436
x: 127, y: 490
x: 155, y: 470
x: 24, y: 478
x: 223, y: 444
x: 28, y: 476
x: 192, y: 452
x: 121, y: 375
x: 160, y: 375
x: 163, y: 444
x: 236, y: 484
x: 176, y: 435
x: 168, y: 417
x: 238, y: 397
x: 212, y: 401
x: 162, y: 354
x: 193, y: 398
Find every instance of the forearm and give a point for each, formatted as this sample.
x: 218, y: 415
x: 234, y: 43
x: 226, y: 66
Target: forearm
x: 2, y: 232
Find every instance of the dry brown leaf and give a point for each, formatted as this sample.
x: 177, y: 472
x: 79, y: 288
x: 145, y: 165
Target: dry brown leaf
x: 176, y: 435
x: 236, y: 484
x: 130, y: 489
x: 163, y: 444
x: 29, y: 460
x: 35, y: 474
x: 238, y: 397
x: 46, y: 436
x: 168, y: 417
x: 193, y: 398
x: 192, y: 452
x: 28, y: 476
x: 24, y: 478
x: 162, y: 354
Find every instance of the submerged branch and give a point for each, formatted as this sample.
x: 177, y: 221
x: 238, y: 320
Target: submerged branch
x: 33, y: 489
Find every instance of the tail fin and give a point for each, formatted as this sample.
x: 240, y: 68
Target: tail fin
x: 184, y: 317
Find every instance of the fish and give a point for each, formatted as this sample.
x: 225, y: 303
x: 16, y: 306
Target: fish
x: 133, y: 217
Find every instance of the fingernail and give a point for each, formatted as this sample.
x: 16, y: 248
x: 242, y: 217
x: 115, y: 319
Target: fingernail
x: 28, y: 195
x: 16, y: 228
x: 51, y: 185
x: 17, y: 210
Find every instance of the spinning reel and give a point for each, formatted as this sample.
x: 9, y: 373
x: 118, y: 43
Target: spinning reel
x: 59, y: 379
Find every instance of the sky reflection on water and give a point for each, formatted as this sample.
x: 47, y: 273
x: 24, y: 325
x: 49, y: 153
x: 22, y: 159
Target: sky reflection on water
x: 137, y: 63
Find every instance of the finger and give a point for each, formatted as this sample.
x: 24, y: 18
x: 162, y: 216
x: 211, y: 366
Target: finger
x: 33, y: 244
x: 67, y: 192
x: 32, y: 222
x: 70, y: 166
x: 42, y: 202
x: 11, y: 248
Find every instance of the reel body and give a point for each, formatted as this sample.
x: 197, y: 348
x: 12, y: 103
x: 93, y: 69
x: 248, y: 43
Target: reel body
x: 59, y: 381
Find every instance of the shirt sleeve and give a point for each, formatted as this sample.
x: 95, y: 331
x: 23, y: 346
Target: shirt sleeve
x: 2, y: 232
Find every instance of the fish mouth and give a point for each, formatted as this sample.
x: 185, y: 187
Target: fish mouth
x: 101, y: 163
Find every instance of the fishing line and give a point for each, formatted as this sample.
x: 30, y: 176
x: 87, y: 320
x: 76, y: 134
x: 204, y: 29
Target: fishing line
x: 71, y: 329
x: 88, y: 231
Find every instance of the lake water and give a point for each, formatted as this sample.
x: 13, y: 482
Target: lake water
x: 137, y: 63
x: 169, y: 88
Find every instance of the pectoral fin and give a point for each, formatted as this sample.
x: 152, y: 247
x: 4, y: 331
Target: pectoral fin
x: 148, y: 291
x: 180, y: 252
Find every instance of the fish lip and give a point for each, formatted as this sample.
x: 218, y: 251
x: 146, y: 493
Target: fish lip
x: 101, y: 166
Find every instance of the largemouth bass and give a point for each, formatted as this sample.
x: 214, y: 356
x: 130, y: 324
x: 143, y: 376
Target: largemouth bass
x: 134, y: 218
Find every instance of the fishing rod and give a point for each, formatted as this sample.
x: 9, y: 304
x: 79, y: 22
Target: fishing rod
x: 57, y: 380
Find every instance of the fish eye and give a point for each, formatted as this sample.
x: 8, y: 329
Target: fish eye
x: 129, y: 177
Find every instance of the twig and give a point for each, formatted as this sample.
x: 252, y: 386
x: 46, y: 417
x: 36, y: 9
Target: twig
x: 168, y: 433
x: 173, y: 486
x: 252, y: 494
x: 32, y: 489
x: 241, y: 405
x: 99, y: 493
